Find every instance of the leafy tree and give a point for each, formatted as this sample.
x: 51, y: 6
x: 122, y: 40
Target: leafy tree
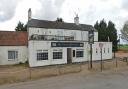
x: 124, y: 32
x: 21, y: 27
x: 107, y: 32
x: 59, y: 20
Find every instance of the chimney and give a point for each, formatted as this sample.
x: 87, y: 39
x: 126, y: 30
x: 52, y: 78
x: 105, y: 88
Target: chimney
x: 29, y: 14
x: 76, y: 20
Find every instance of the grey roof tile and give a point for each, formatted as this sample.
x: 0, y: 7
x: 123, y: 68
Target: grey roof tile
x: 59, y: 25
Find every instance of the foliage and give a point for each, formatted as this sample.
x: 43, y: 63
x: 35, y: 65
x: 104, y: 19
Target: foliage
x: 124, y: 32
x: 21, y: 27
x: 107, y: 32
x: 59, y: 20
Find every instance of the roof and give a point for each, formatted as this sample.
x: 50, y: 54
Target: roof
x: 12, y: 38
x: 59, y: 25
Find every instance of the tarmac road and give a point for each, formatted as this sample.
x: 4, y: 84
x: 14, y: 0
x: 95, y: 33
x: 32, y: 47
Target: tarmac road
x: 102, y: 80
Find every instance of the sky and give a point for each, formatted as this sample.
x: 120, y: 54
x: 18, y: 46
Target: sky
x: 89, y: 11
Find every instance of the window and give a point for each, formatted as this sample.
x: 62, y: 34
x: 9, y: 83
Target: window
x: 108, y: 50
x: 96, y: 50
x: 42, y: 55
x: 79, y: 53
x: 12, y: 54
x: 74, y: 53
x: 104, y: 50
x: 57, y: 54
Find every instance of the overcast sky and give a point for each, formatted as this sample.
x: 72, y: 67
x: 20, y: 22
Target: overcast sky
x: 89, y: 11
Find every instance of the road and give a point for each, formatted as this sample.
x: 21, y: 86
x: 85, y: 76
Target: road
x: 102, y: 80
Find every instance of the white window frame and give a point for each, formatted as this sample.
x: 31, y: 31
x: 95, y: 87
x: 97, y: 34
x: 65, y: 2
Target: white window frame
x: 79, y: 50
x: 13, y: 55
x: 57, y: 50
x: 42, y: 51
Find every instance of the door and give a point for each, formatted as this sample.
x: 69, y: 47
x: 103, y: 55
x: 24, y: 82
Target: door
x: 69, y: 55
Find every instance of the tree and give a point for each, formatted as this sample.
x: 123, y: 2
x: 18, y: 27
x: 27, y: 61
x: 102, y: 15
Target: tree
x: 59, y: 20
x: 124, y: 32
x: 101, y: 27
x: 107, y: 32
x: 112, y: 34
x: 21, y: 27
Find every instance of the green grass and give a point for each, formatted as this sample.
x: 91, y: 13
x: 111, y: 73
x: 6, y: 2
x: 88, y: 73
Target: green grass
x: 123, y: 47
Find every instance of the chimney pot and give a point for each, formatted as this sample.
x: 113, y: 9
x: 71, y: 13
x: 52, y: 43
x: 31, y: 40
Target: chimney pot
x: 76, y: 20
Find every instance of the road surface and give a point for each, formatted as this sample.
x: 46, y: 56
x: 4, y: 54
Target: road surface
x: 101, y: 80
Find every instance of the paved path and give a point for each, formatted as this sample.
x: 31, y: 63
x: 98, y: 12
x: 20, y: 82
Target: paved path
x: 104, y: 80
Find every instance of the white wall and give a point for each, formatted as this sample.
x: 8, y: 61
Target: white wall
x: 22, y: 54
x: 106, y: 51
x: 44, y: 45
x: 95, y: 36
x: 34, y: 45
x: 78, y: 34
x: 81, y: 59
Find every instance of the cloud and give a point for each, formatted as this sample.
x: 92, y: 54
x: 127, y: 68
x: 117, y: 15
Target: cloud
x: 50, y: 9
x: 125, y: 4
x: 89, y: 11
x: 92, y: 10
x: 7, y: 9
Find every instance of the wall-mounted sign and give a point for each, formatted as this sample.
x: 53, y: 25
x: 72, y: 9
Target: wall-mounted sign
x: 101, y: 45
x: 67, y: 44
x: 91, y: 36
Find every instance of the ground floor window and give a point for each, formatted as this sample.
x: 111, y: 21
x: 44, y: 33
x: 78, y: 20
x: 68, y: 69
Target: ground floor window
x: 12, y: 55
x: 74, y: 53
x: 42, y: 55
x: 108, y: 50
x: 96, y: 50
x: 57, y: 54
x: 80, y: 53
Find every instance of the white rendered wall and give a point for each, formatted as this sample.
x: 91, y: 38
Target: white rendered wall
x: 95, y: 36
x: 81, y: 59
x: 22, y: 54
x: 44, y: 45
x: 34, y: 45
x: 78, y: 34
x: 105, y: 55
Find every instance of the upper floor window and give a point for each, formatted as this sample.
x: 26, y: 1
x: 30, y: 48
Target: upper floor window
x: 50, y: 37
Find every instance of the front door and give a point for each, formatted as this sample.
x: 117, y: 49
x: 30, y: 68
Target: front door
x: 69, y: 55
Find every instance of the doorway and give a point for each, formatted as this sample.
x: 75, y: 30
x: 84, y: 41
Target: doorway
x: 69, y: 55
